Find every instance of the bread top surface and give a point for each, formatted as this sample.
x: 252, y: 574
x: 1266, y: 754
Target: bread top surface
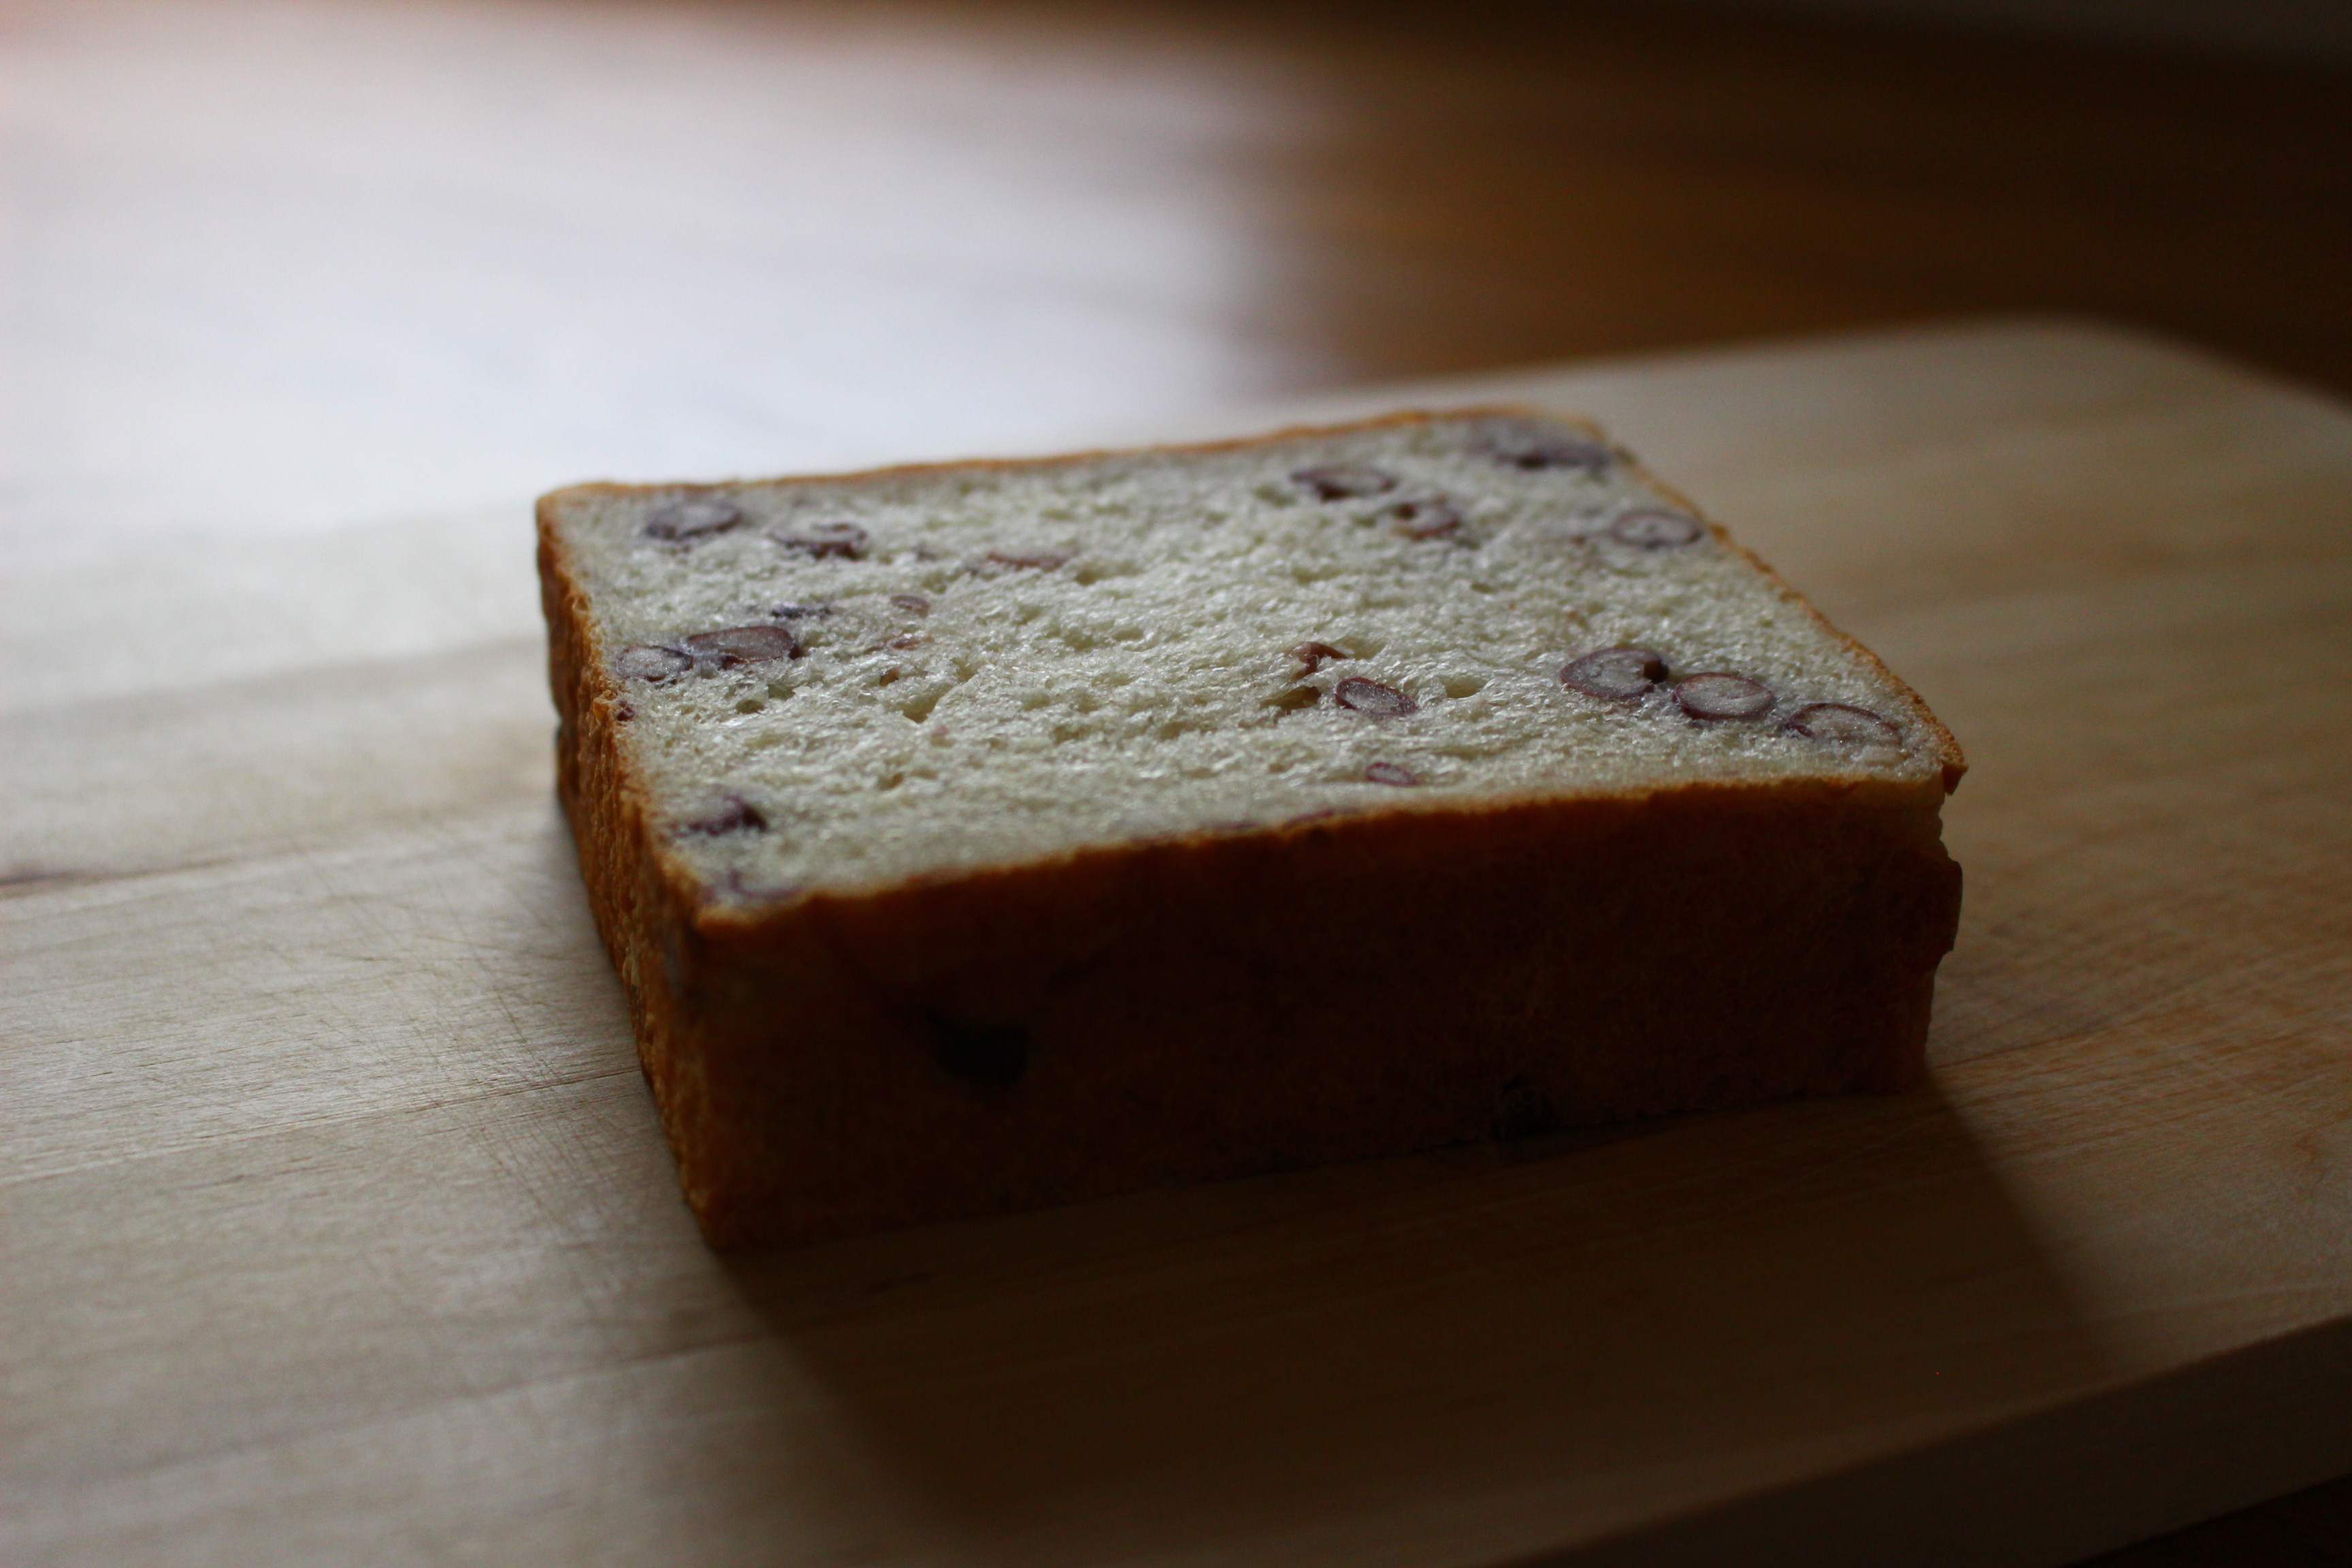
x: 844, y: 684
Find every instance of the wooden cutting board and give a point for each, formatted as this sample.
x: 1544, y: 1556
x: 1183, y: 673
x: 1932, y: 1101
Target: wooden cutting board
x: 338, y: 1227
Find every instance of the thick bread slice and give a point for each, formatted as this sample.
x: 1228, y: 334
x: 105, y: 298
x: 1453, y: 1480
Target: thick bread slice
x: 983, y: 835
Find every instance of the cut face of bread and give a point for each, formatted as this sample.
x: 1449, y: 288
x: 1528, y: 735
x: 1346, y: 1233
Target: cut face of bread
x: 841, y: 685
x: 984, y: 835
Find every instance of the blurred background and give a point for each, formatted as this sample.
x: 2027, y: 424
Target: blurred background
x: 279, y: 263
x: 284, y: 265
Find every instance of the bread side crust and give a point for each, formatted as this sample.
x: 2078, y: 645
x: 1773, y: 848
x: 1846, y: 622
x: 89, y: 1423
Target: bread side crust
x: 1221, y: 1002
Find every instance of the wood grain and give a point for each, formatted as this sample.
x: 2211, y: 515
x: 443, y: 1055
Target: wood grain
x: 306, y: 296
x: 339, y: 1227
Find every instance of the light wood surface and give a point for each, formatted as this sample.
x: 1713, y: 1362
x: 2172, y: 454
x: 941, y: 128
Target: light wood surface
x: 302, y: 296
x: 338, y: 1226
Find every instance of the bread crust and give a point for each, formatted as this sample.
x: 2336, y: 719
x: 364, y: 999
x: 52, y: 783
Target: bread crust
x: 1217, y: 1004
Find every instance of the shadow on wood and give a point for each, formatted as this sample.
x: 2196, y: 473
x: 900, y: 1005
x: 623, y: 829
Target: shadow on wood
x: 2071, y: 1480
x: 1585, y: 1331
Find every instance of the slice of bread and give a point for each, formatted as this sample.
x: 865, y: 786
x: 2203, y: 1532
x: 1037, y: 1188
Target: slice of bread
x: 983, y: 835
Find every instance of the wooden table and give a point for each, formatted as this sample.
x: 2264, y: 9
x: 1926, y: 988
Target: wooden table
x: 338, y: 1227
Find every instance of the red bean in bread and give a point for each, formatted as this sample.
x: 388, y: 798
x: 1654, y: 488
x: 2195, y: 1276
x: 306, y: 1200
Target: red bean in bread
x: 743, y: 645
x: 827, y: 542
x: 695, y: 517
x: 1314, y: 656
x: 1431, y: 518
x: 646, y: 661
x: 1654, y: 527
x: 1614, y: 674
x: 1373, y: 699
x: 1539, y: 449
x: 1842, y: 724
x: 1341, y: 482
x: 735, y: 815
x: 1717, y: 695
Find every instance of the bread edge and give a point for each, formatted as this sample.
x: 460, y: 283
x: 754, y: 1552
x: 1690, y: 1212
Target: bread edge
x: 644, y: 897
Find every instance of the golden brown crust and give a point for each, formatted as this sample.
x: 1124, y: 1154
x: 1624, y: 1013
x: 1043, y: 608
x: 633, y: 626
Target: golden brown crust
x: 1213, y: 1005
